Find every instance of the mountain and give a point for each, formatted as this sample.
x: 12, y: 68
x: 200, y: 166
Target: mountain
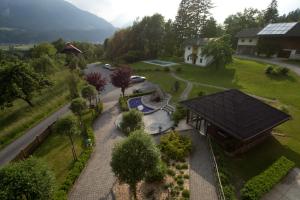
x: 29, y: 21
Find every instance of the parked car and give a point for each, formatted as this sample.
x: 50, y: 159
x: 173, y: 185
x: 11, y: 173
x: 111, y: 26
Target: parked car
x: 109, y: 67
x: 137, y: 79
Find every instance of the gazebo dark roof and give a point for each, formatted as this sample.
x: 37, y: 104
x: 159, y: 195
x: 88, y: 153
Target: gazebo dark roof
x: 236, y: 113
x: 248, y: 33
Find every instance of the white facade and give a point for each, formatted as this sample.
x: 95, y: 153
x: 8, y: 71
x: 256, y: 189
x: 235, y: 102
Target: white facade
x: 202, y: 61
x: 295, y: 54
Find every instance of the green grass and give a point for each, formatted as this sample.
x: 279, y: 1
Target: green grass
x: 56, y: 152
x: 16, y: 120
x: 207, y: 90
x: 249, y: 77
x: 162, y: 78
x: 22, y: 47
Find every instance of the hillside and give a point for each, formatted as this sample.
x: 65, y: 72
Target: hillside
x: 25, y: 21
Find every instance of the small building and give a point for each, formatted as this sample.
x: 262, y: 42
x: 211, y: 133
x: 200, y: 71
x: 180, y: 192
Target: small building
x: 193, y: 50
x: 233, y: 119
x: 71, y: 49
x: 284, y: 37
x: 247, y: 41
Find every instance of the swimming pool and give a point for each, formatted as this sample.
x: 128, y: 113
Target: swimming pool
x: 138, y: 104
x: 160, y: 63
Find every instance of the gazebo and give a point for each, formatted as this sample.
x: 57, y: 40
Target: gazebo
x: 233, y: 119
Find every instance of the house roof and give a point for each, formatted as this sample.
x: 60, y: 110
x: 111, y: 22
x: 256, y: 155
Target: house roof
x: 237, y: 113
x: 246, y: 33
x: 198, y: 41
x: 291, y: 29
x: 71, y: 48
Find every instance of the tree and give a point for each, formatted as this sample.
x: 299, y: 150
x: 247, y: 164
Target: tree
x: 220, y: 50
x: 89, y: 92
x: 43, y: 49
x: 134, y: 158
x: 59, y: 44
x: 19, y: 81
x: 249, y: 18
x: 293, y: 16
x: 191, y: 17
x: 72, y: 81
x: 131, y: 121
x: 121, y: 78
x: 28, y: 179
x: 78, y: 106
x: 176, y: 86
x: 211, y: 29
x: 68, y: 126
x: 271, y: 13
x: 96, y: 79
x: 44, y: 65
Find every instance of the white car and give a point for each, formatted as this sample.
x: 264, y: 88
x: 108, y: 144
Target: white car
x: 109, y: 67
x: 137, y: 79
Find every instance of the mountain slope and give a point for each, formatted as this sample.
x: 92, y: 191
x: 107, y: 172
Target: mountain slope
x: 39, y: 20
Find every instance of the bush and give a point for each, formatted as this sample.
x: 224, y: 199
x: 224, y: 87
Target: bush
x: 171, y: 172
x: 175, y: 146
x: 131, y: 121
x: 158, y: 173
x: 283, y: 71
x: 201, y: 93
x: 167, y: 69
x: 185, y: 194
x: 123, y: 104
x: 269, y: 69
x: 256, y: 187
x: 179, y: 114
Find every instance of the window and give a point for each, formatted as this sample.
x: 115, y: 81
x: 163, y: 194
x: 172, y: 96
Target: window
x: 250, y: 40
x: 189, y: 48
x: 201, y: 60
x: 242, y: 40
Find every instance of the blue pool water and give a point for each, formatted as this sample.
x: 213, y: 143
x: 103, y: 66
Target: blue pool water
x: 135, y: 102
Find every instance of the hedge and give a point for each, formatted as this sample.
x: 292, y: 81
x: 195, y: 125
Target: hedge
x: 259, y: 185
x: 82, y: 160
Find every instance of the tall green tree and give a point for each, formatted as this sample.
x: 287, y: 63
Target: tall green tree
x: 131, y: 121
x: 134, y: 158
x: 293, y: 16
x: 19, y: 81
x: 29, y: 179
x: 78, y: 106
x: 68, y: 126
x: 211, y: 29
x: 220, y: 50
x: 44, y: 65
x: 89, y: 92
x: 271, y: 13
x: 191, y: 17
x: 43, y: 49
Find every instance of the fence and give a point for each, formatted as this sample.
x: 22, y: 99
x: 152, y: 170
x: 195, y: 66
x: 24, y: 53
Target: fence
x: 220, y: 191
x: 31, y: 147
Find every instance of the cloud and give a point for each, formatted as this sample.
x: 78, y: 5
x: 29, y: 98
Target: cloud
x: 120, y: 12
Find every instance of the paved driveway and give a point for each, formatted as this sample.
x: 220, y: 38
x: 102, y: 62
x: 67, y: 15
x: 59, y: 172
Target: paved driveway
x: 287, y: 189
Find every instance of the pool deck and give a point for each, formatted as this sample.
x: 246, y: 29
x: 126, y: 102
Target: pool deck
x: 156, y: 62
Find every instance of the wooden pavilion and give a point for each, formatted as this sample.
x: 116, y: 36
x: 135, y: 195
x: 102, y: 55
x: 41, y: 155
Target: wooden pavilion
x: 233, y: 119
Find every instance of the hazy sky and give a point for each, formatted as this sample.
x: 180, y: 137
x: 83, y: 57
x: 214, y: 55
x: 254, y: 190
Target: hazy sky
x: 123, y: 12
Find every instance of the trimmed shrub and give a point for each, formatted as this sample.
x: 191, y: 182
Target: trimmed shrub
x: 131, y: 121
x: 269, y: 69
x: 171, y: 172
x: 186, y: 194
x: 256, y: 187
x: 158, y: 173
x: 179, y: 114
x: 201, y: 93
x: 175, y: 146
x: 123, y: 104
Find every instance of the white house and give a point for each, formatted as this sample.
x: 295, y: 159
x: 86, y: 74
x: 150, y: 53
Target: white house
x: 247, y: 41
x: 192, y: 52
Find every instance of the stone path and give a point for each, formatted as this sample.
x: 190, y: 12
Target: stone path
x: 189, y: 86
x: 202, y: 178
x: 96, y: 180
x: 287, y: 189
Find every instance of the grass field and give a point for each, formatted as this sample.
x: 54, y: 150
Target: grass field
x: 249, y: 77
x: 14, y: 121
x: 21, y: 47
x: 162, y: 78
x: 56, y: 152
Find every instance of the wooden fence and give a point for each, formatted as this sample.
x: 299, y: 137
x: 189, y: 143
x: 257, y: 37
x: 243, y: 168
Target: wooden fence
x: 31, y: 147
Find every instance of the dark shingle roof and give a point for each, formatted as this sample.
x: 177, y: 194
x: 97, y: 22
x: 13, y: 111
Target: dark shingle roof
x: 250, y: 32
x: 198, y: 41
x: 238, y: 114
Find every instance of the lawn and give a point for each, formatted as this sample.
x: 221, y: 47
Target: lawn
x: 249, y: 77
x: 157, y: 75
x: 205, y: 91
x: 56, y: 152
x: 16, y: 120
